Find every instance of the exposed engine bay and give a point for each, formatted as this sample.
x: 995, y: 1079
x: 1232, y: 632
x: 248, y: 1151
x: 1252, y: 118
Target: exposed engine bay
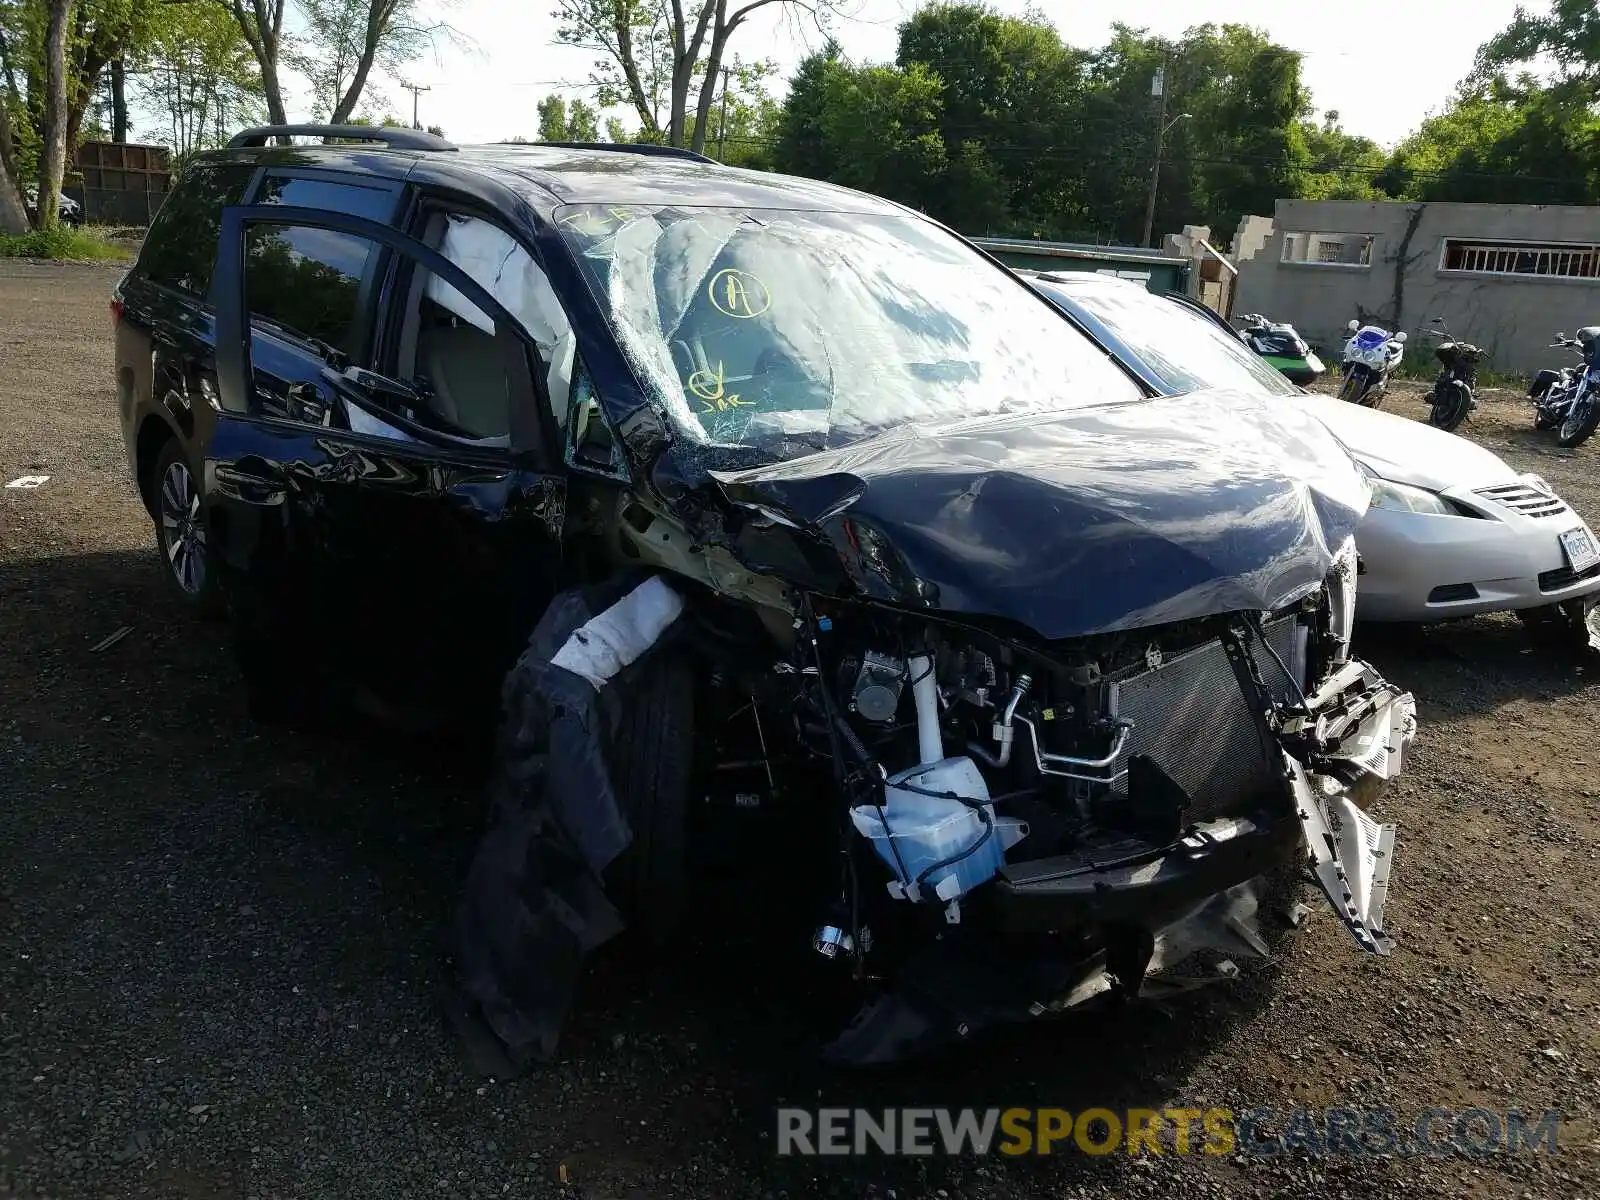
x: 1016, y: 825
x: 1007, y: 764
x: 963, y: 757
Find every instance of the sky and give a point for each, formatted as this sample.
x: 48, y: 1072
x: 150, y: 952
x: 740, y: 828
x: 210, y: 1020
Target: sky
x: 1384, y: 69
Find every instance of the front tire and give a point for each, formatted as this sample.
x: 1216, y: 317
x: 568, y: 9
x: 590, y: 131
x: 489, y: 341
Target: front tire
x: 1580, y: 423
x: 1451, y: 403
x: 1351, y: 389
x: 183, y: 535
x: 652, y: 756
x: 649, y: 754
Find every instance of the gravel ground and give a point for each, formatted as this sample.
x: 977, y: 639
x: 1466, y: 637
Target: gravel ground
x: 219, y: 943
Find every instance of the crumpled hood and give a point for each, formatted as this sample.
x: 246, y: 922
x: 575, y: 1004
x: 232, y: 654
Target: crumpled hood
x: 1086, y: 521
x: 1405, y: 451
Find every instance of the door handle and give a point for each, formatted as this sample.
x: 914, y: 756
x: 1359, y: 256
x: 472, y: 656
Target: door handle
x: 247, y: 487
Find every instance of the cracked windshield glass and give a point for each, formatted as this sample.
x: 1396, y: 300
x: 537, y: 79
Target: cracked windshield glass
x: 796, y: 331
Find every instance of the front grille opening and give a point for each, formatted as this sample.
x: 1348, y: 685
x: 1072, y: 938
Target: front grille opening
x: 1450, y: 593
x: 1525, y: 499
x: 1564, y: 577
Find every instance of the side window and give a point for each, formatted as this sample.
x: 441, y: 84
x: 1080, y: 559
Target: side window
x: 307, y: 282
x: 451, y: 359
x: 181, y: 247
x: 501, y: 266
x: 375, y: 204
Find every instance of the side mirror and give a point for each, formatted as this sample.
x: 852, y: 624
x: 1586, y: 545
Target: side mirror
x: 1401, y: 336
x: 1353, y: 326
x: 1437, y: 320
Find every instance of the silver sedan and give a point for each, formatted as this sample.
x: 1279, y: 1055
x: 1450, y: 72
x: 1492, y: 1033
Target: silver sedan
x: 1452, y: 530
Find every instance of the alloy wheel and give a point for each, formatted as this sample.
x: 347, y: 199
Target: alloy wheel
x: 183, y: 529
x: 1576, y: 416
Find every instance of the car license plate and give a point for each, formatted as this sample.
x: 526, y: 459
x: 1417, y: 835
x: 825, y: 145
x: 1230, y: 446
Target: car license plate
x: 1581, y: 552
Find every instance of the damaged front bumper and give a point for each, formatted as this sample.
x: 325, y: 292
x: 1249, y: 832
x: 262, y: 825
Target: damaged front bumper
x: 1154, y: 906
x: 1339, y: 752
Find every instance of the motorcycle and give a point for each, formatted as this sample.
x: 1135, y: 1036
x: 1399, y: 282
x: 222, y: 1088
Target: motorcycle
x: 1370, y: 357
x: 1568, y: 400
x: 1284, y: 349
x: 1451, y: 398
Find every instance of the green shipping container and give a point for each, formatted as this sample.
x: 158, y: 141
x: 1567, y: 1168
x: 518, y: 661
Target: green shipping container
x: 1157, y: 272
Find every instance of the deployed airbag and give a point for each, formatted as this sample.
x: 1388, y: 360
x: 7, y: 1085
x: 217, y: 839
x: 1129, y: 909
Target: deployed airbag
x: 534, y: 902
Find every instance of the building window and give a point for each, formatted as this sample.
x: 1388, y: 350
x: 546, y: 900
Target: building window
x: 1328, y: 249
x: 1564, y: 260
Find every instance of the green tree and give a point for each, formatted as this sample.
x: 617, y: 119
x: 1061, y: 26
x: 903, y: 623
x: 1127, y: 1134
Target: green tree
x: 743, y: 122
x: 14, y: 156
x: 1339, y: 165
x: 198, y: 74
x: 664, y: 60
x: 1504, y: 143
x: 552, y: 119
x: 583, y: 122
x: 1012, y: 92
x: 882, y: 123
x: 1567, y: 37
x: 95, y: 34
x: 53, y: 149
x: 563, y: 122
x: 346, y: 41
x: 341, y: 43
x: 802, y: 147
x: 1234, y: 142
x: 1529, y: 138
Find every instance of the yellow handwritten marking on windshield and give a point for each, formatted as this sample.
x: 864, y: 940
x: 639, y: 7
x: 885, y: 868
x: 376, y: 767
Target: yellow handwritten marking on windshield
x: 708, y: 387
x: 738, y: 294
x: 596, y: 222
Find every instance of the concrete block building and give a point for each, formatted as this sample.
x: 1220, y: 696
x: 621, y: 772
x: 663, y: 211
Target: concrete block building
x: 1504, y: 276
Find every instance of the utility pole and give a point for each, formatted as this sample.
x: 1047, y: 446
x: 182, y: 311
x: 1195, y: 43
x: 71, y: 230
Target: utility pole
x: 722, y: 130
x: 414, y: 89
x: 1158, y: 87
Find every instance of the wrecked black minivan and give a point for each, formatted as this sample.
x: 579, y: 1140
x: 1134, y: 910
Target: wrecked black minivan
x: 708, y: 485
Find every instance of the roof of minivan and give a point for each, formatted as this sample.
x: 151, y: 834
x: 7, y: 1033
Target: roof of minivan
x: 548, y: 176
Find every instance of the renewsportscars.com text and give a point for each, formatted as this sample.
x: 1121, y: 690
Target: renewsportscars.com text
x: 1474, y: 1132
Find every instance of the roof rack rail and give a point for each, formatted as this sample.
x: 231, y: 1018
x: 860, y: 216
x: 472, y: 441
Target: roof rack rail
x: 394, y: 137
x: 634, y: 148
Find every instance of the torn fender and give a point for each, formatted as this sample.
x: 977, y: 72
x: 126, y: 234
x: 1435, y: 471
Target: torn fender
x: 1346, y: 746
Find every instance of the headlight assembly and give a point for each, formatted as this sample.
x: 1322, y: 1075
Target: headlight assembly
x: 1402, y: 497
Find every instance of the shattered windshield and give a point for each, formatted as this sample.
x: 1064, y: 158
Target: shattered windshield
x: 790, y: 331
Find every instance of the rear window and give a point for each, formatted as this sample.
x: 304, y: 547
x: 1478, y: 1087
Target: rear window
x: 181, y: 247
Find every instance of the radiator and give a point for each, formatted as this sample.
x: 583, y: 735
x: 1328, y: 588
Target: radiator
x: 1191, y: 718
